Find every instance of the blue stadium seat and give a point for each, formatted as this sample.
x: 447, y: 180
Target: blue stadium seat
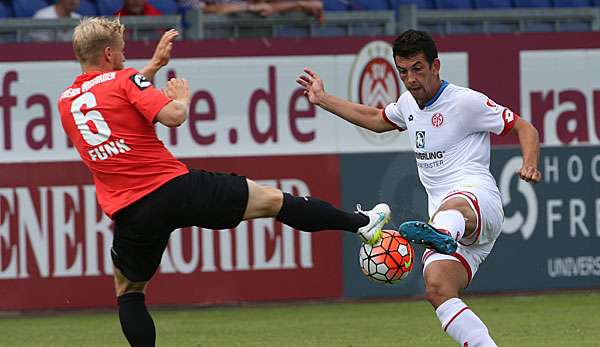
x: 336, y: 5
x: 493, y: 3
x: 164, y: 6
x: 109, y: 7
x: 375, y: 5
x: 421, y: 4
x: 454, y: 4
x: 4, y: 11
x: 572, y: 3
x: 533, y: 3
x: 87, y: 8
x: 27, y: 8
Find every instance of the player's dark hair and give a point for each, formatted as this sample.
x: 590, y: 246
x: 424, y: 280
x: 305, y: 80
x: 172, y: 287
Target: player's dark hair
x: 413, y: 42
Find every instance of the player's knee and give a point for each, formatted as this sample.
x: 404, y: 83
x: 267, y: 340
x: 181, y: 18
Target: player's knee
x: 124, y: 286
x: 437, y: 293
x: 265, y: 202
x: 269, y: 201
x: 130, y: 287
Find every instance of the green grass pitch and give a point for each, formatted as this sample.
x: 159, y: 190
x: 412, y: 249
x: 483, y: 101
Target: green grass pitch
x: 566, y: 319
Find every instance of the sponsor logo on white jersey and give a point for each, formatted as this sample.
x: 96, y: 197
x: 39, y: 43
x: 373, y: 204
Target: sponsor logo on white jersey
x: 420, y: 139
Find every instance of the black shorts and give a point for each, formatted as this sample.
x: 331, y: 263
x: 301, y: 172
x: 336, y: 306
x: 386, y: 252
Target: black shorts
x: 198, y: 198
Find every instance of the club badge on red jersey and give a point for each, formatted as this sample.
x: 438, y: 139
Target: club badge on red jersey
x: 140, y: 81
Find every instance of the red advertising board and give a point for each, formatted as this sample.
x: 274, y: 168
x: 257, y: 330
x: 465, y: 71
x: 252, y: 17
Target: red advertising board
x: 55, y: 243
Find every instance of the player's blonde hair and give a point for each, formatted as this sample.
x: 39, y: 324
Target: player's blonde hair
x: 94, y: 34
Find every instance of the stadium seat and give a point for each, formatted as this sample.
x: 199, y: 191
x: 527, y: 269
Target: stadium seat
x: 109, y: 7
x: 453, y: 4
x: 572, y: 3
x: 87, y: 8
x: 27, y: 8
x: 533, y: 3
x: 492, y: 4
x: 374, y: 5
x: 336, y: 5
x: 164, y: 6
x: 4, y: 11
x: 421, y: 4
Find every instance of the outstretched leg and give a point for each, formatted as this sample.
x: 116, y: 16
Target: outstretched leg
x: 311, y: 214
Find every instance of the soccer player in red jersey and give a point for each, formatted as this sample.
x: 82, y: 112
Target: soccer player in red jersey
x: 109, y: 114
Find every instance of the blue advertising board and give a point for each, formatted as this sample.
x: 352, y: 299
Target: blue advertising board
x: 551, y: 232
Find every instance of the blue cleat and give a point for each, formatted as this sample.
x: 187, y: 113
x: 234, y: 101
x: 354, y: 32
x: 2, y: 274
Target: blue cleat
x: 423, y: 233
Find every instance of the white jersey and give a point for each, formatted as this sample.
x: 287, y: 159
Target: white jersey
x: 451, y: 138
x: 49, y: 12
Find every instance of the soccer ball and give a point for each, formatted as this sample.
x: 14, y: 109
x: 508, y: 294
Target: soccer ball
x: 389, y: 260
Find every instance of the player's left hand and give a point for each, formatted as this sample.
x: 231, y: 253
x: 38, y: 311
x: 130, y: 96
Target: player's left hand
x: 530, y: 174
x: 162, y: 53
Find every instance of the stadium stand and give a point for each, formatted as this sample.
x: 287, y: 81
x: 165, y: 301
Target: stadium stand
x: 371, y: 5
x: 165, y: 6
x: 454, y: 4
x: 27, y: 8
x: 572, y: 3
x: 421, y: 4
x: 87, y: 8
x: 108, y: 7
x: 345, y: 17
x: 533, y: 3
x: 336, y: 5
x: 492, y: 4
x: 4, y: 11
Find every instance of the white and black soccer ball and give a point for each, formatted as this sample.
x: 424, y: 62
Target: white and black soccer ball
x: 388, y: 261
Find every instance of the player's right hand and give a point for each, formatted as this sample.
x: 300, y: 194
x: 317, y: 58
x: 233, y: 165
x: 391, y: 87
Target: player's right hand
x: 530, y: 174
x: 313, y: 86
x: 178, y: 89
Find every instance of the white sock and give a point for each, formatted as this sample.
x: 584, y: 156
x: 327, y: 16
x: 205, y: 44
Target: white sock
x: 463, y: 325
x: 451, y: 221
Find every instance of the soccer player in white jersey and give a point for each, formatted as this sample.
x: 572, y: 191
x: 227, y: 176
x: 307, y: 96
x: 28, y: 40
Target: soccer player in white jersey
x: 449, y: 129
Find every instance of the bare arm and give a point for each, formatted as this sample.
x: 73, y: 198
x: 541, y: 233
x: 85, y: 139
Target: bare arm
x: 161, y: 56
x: 310, y: 7
x: 176, y: 112
x: 362, y: 115
x: 264, y: 9
x: 530, y: 148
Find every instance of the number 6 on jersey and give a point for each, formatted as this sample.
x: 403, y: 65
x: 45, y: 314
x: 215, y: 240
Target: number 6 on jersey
x: 101, y: 131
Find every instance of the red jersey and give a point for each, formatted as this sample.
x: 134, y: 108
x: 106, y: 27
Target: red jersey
x: 109, y: 117
x: 149, y: 10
